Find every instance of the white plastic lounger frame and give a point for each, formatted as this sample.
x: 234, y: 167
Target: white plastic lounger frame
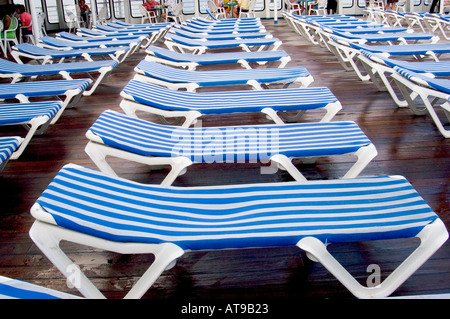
x: 18, y: 289
x: 437, y: 25
x: 429, y: 90
x: 45, y: 55
x: 17, y: 71
x: 175, y: 78
x: 149, y: 98
x: 348, y: 53
x: 380, y: 69
x: 191, y: 61
x: 71, y: 90
x: 133, y: 218
x: 119, y: 135
x: 35, y: 117
x: 8, y: 145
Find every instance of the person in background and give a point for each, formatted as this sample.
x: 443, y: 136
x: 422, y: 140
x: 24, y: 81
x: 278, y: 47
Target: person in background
x: 84, y: 10
x: 243, y: 6
x: 6, y: 13
x: 332, y: 6
x: 6, y: 19
x: 296, y: 7
x: 150, y: 5
x: 25, y: 20
x: 433, y: 5
x: 390, y: 3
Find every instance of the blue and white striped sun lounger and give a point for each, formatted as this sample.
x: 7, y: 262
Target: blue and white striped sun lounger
x: 70, y: 90
x: 87, y: 38
x: 431, y: 92
x: 143, y: 40
x: 60, y: 44
x: 419, y: 51
x: 367, y: 30
x: 175, y: 78
x: 45, y: 55
x: 243, y: 22
x: 16, y: 71
x: 8, y: 145
x: 380, y: 69
x: 191, y: 61
x: 88, y: 207
x: 119, y: 23
x: 119, y: 135
x: 219, y: 30
x: 105, y: 28
x: 220, y: 36
x: 348, y: 53
x: 149, y: 26
x: 18, y: 289
x: 102, y: 34
x: 398, y: 37
x: 179, y: 43
x: 146, y: 97
x: 36, y: 117
x: 438, y: 24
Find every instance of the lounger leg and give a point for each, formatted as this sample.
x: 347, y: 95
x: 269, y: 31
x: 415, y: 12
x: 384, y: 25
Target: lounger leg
x: 365, y: 156
x: 47, y: 240
x: 271, y: 114
x: 286, y: 164
x: 130, y: 108
x: 432, y: 237
x: 383, y: 73
x: 41, y: 123
x: 332, y: 110
x: 47, y: 237
x: 104, y: 72
x: 425, y: 94
x: 72, y: 97
x: 98, y: 153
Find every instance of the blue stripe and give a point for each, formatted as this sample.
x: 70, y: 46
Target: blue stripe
x: 15, y: 292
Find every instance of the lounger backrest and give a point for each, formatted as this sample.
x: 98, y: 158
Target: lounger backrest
x: 42, y: 88
x: 442, y: 85
x: 8, y: 145
x: 21, y: 113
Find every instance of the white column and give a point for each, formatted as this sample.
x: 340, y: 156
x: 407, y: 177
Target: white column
x: 93, y: 8
x: 34, y: 22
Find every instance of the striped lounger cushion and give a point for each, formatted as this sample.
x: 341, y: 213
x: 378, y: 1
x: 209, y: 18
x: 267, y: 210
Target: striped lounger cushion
x: 18, y: 113
x: 18, y: 289
x: 8, y: 145
x: 42, y: 88
x: 217, y: 58
x: 253, y: 142
x: 228, y: 102
x: 176, y: 76
x: 119, y: 135
x: 234, y: 216
x: 8, y: 67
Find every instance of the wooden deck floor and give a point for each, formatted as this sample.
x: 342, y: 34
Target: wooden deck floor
x: 408, y: 145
